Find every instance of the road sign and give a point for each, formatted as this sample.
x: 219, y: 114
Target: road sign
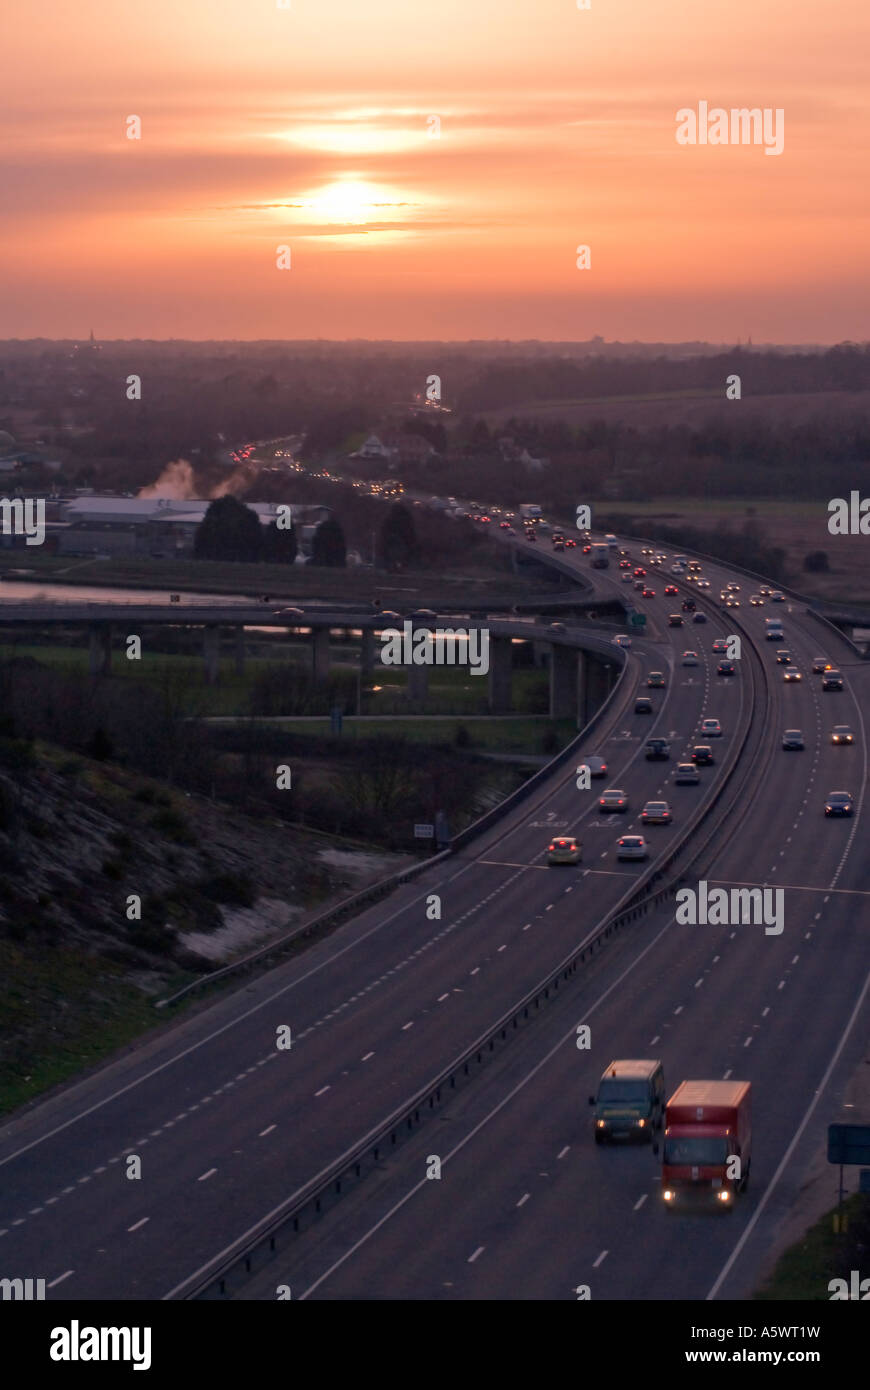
x: 424, y: 832
x: 849, y: 1143
x: 638, y: 620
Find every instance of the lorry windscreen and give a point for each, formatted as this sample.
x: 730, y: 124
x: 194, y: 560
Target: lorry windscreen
x: 703, y: 1150
x: 610, y: 1091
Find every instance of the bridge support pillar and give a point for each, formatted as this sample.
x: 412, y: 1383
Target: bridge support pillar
x: 418, y: 683
x: 320, y: 653
x: 100, y: 649
x: 500, y: 666
x: 563, y: 682
x: 367, y: 651
x: 211, y: 650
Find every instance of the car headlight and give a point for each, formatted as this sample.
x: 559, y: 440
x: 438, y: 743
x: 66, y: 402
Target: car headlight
x: 724, y: 1195
x: 641, y: 1124
x: 601, y: 1124
x: 668, y: 1195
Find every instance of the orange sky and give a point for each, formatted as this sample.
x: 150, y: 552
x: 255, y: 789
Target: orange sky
x: 308, y: 127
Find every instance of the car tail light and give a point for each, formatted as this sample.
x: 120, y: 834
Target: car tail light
x: 552, y: 846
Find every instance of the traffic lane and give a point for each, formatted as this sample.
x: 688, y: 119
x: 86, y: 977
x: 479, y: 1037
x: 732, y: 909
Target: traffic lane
x: 367, y: 1064
x: 536, y: 1246
x: 766, y: 809
x: 132, y: 1108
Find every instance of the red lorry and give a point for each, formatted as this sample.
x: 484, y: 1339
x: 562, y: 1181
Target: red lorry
x: 707, y: 1143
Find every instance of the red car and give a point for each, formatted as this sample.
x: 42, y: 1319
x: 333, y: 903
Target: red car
x: 671, y: 589
x: 648, y: 593
x: 640, y: 573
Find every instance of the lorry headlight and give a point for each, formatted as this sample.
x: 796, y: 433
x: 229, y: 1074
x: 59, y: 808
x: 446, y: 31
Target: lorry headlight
x: 668, y: 1195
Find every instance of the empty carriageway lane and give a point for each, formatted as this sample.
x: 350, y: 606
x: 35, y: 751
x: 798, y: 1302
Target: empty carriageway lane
x: 374, y: 1011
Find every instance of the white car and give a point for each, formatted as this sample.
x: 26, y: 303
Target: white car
x: 656, y: 813
x: 690, y: 658
x: 631, y: 847
x: 686, y: 774
x: 710, y: 728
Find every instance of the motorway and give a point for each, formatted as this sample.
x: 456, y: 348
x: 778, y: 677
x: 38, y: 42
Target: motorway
x: 228, y: 1127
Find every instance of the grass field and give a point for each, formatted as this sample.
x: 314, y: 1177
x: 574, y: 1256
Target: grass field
x: 492, y: 735
x: 804, y: 1271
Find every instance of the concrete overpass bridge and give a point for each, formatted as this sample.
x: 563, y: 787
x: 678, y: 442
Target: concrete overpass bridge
x: 582, y: 665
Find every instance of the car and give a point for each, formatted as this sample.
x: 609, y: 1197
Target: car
x: 756, y: 600
x: 690, y: 659
x: 671, y: 590
x: 832, y: 680
x: 558, y: 627
x: 640, y: 572
x: 820, y: 665
x: 777, y: 597
x: 587, y: 549
x: 702, y: 755
x: 726, y: 668
x: 791, y: 674
x: 657, y: 750
x: 564, y: 849
x: 838, y: 804
x: 675, y: 620
x: 625, y: 564
x: 646, y: 550
x: 688, y: 605
x: 642, y: 705
x: 841, y: 733
x: 640, y: 584
x: 764, y: 590
x: 783, y: 657
x: 391, y: 614
x: 626, y: 579
x: 732, y: 602
x: 648, y: 593
x: 733, y: 588
x: 504, y: 525
x: 570, y: 543
x: 655, y: 680
x: 292, y: 613
x: 613, y: 800
x: 686, y: 774
x: 597, y: 766
x: 703, y: 583
x: 793, y: 741
x: 622, y: 640
x: 558, y: 545
x: 723, y: 595
x: 631, y: 847
x: 423, y: 615
x: 699, y: 617
x: 656, y: 813
x: 710, y: 728
x: 661, y: 557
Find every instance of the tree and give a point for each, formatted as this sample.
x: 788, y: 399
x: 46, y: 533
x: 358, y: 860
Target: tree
x: 229, y: 531
x: 398, y: 539
x: 328, y: 547
x: 816, y: 562
x: 280, y: 547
